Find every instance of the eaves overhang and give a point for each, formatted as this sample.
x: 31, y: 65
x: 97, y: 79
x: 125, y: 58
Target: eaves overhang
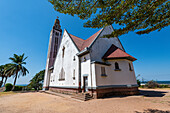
x: 102, y: 63
x: 116, y: 58
x: 83, y: 52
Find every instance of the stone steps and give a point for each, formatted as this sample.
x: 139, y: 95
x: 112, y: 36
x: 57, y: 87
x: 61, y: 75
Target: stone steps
x: 78, y: 96
x: 57, y: 94
x: 82, y: 96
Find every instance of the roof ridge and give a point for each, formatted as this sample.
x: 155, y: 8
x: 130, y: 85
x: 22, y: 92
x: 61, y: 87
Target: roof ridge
x: 86, y: 43
x: 77, y: 37
x: 81, y: 43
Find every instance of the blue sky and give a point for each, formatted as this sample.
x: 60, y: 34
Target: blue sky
x: 25, y: 27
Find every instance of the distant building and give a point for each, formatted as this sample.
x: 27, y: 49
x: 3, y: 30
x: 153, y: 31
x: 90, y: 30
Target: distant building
x: 97, y: 65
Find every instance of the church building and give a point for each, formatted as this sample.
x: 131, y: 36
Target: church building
x: 98, y: 66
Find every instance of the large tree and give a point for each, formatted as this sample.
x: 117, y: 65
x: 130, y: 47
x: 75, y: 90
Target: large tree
x: 6, y: 73
x: 2, y: 75
x: 37, y: 81
x: 142, y: 16
x: 17, y: 67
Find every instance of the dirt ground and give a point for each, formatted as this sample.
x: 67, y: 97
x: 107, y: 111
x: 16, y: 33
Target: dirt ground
x: 151, y: 101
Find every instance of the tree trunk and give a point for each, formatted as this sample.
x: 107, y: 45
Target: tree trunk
x: 5, y: 80
x: 2, y: 81
x: 15, y: 81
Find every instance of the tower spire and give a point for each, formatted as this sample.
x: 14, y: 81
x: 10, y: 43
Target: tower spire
x: 54, y: 43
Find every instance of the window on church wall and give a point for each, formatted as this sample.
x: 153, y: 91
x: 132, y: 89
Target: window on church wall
x: 84, y: 59
x: 74, y: 58
x: 103, y: 72
x: 117, y: 67
x: 74, y: 72
x: 130, y: 67
x: 53, y: 78
x: 57, y: 34
x: 62, y: 75
x: 55, y: 47
x: 63, y: 51
x: 56, y: 40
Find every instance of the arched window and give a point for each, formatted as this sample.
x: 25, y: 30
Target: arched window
x: 85, y: 59
x: 103, y: 71
x: 130, y: 68
x: 63, y: 51
x: 56, y: 33
x: 62, y: 75
x: 74, y: 58
x: 55, y: 47
x: 117, y: 67
x: 74, y: 73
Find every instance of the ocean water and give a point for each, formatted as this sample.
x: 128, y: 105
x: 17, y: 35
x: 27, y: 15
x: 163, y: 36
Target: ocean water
x: 159, y: 82
x: 21, y: 84
x: 18, y: 85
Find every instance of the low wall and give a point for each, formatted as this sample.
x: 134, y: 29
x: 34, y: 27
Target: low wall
x: 107, y: 92
x: 99, y: 93
x: 68, y: 91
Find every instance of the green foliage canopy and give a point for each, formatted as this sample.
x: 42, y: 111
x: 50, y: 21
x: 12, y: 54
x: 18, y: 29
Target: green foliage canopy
x: 142, y: 16
x: 37, y: 81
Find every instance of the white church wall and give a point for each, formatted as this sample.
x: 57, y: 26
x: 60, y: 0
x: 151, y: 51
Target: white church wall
x: 123, y: 77
x: 67, y: 63
x: 101, y: 45
x: 93, y: 76
x: 46, y: 77
x: 85, y: 69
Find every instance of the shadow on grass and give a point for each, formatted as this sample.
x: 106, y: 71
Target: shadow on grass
x: 153, y: 111
x: 152, y: 93
x: 146, y: 93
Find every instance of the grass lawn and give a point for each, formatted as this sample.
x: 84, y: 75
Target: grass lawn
x: 156, y: 88
x: 7, y: 93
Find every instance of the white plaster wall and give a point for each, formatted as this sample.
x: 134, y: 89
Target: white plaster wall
x: 101, y: 45
x: 88, y: 69
x: 93, y: 67
x: 46, y: 77
x: 67, y: 63
x: 85, y: 69
x: 123, y: 77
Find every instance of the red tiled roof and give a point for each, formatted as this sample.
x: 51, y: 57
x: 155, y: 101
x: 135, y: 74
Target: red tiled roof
x: 78, y: 41
x: 81, y: 44
x: 115, y: 53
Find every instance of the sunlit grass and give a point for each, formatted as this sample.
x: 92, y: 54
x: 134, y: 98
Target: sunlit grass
x: 7, y: 93
x: 156, y: 88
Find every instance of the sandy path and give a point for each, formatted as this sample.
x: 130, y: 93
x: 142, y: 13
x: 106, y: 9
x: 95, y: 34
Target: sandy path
x: 45, y: 103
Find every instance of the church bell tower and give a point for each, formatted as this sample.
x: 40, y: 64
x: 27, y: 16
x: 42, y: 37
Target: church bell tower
x: 54, y: 43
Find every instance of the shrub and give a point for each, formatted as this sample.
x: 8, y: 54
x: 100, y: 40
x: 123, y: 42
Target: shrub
x: 142, y: 86
x: 18, y: 88
x: 8, y: 87
x: 163, y: 86
x: 139, y: 83
x: 152, y: 84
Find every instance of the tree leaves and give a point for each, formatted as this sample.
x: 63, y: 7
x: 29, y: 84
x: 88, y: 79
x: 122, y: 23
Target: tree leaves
x: 37, y: 80
x: 141, y: 16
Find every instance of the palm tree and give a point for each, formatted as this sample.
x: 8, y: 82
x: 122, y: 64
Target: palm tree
x: 2, y: 74
x: 6, y: 73
x: 16, y: 68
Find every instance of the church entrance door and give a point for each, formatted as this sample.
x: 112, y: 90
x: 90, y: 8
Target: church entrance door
x: 85, y: 81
